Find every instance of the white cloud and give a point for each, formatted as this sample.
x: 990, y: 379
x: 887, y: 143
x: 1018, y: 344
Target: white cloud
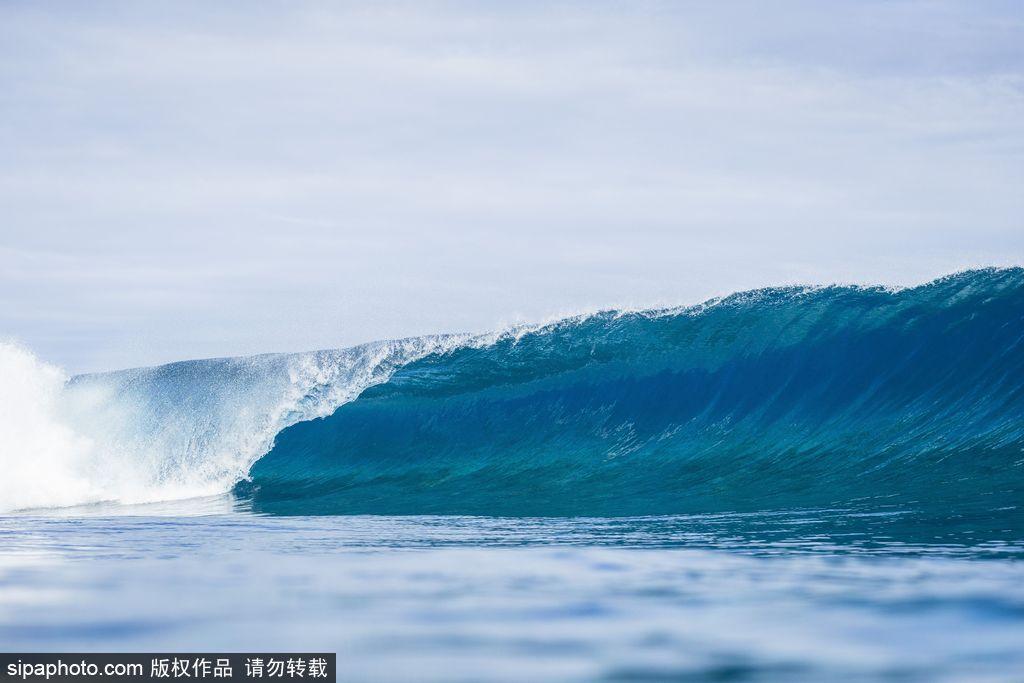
x: 192, y: 180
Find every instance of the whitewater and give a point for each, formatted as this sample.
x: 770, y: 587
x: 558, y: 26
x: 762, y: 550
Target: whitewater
x: 181, y: 430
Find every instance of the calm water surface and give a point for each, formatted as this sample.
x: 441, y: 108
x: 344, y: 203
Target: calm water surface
x: 799, y: 595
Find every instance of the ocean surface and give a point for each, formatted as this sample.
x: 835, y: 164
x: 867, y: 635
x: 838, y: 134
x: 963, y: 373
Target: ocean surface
x: 791, y: 484
x: 822, y: 595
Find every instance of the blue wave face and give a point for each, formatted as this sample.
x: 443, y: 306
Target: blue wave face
x: 771, y: 399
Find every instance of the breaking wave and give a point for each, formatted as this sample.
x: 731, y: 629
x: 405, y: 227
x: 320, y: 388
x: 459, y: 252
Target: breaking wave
x: 786, y: 397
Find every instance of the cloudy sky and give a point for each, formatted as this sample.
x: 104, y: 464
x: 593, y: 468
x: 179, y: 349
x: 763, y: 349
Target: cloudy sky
x: 183, y: 179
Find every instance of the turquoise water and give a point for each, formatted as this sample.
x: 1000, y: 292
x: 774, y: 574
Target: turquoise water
x: 772, y: 399
x: 816, y: 595
x: 790, y: 484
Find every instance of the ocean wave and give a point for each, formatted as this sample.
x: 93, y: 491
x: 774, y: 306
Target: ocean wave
x: 769, y: 399
x: 782, y: 397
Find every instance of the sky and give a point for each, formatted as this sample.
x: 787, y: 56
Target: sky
x: 194, y: 179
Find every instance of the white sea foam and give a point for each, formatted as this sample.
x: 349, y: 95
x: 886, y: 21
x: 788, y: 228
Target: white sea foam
x: 43, y: 460
x: 175, y: 431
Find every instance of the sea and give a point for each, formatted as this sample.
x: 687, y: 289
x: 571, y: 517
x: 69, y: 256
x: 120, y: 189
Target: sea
x: 787, y: 484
